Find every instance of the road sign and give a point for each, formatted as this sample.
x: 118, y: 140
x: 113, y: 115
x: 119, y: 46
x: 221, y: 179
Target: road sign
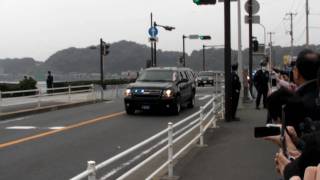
x: 153, y: 31
x: 255, y: 19
x: 153, y: 39
x: 193, y: 36
x: 255, y: 7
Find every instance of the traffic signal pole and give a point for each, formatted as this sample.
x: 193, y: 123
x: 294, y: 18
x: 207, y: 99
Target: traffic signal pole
x: 204, y: 58
x: 101, y: 63
x: 184, y: 50
x: 227, y: 62
x: 152, y: 61
x: 250, y: 47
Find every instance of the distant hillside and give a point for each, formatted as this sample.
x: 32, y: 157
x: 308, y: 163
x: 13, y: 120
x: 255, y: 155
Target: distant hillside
x: 17, y: 66
x: 125, y: 55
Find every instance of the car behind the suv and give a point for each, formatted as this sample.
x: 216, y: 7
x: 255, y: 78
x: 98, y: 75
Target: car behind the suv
x: 205, y: 77
x: 161, y: 88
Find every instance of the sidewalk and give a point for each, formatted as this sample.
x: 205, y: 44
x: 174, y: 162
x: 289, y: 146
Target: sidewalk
x: 232, y: 153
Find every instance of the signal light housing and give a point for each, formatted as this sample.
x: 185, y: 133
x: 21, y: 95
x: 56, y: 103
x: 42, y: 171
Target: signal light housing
x: 204, y: 2
x: 205, y: 37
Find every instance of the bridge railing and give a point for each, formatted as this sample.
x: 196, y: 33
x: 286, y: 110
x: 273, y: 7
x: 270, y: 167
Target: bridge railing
x: 38, y: 96
x: 194, y: 125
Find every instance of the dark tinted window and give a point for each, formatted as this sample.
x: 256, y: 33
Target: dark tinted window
x: 206, y: 73
x: 187, y: 75
x: 157, y: 76
x: 183, y: 75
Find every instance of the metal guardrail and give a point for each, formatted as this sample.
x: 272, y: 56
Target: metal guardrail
x: 199, y: 119
x: 41, y: 94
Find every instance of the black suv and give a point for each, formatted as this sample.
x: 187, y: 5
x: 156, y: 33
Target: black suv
x: 161, y: 88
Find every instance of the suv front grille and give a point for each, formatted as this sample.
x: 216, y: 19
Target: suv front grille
x: 146, y: 92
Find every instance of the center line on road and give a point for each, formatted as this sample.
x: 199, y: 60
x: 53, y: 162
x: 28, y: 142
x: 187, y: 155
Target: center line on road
x: 41, y: 135
x: 21, y: 127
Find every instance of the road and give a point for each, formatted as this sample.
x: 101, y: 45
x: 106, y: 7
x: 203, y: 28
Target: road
x: 56, y: 145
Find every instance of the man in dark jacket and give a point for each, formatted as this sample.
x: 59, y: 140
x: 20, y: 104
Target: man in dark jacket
x: 305, y: 77
x: 261, y: 82
x: 236, y: 88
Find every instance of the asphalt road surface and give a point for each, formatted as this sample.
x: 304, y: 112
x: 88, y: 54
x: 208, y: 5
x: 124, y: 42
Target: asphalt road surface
x: 56, y: 145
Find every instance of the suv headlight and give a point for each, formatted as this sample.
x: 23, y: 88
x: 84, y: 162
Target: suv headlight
x: 127, y: 93
x: 168, y: 93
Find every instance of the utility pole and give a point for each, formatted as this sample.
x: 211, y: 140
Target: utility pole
x: 240, y: 62
x: 307, y: 23
x: 270, y: 48
x: 250, y: 47
x: 270, y: 56
x: 291, y: 30
x: 227, y: 61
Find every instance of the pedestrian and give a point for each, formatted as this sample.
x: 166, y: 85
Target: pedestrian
x: 261, y: 83
x: 49, y: 80
x: 236, y: 88
x: 305, y: 77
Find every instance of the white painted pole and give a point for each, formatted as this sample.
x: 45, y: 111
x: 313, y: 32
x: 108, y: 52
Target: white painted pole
x: 201, y: 126
x: 0, y: 101
x: 240, y: 57
x: 39, y: 98
x: 92, y: 167
x: 69, y: 93
x: 170, y: 149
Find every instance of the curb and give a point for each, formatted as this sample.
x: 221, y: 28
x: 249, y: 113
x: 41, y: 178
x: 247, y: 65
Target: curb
x: 4, y: 116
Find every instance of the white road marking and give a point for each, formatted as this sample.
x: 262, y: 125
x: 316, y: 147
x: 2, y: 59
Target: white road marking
x: 33, y: 128
x: 21, y: 127
x: 14, y: 120
x: 204, y: 97
x: 56, y: 128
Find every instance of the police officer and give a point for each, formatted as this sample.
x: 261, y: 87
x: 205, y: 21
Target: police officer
x: 261, y: 82
x: 236, y: 87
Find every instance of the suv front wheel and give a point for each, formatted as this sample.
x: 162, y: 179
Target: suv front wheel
x: 130, y: 111
x: 176, y: 108
x: 192, y: 102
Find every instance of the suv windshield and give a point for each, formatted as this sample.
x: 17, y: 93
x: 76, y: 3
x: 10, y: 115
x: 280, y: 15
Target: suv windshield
x: 206, y: 74
x: 157, y: 76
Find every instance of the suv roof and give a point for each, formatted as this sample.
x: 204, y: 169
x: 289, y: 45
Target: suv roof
x: 168, y: 68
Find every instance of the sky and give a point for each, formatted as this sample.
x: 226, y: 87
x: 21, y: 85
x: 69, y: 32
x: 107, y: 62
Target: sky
x: 39, y: 28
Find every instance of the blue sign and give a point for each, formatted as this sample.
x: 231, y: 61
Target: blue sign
x: 153, y: 31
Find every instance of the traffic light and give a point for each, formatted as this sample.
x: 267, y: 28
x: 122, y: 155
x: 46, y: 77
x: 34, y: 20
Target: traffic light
x: 205, y: 37
x: 255, y: 45
x: 106, y: 49
x: 204, y: 2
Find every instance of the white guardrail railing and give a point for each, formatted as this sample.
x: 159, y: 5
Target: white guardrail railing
x: 40, y: 95
x: 203, y: 119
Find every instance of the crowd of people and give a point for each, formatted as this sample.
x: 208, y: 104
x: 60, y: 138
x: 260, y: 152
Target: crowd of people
x: 295, y: 108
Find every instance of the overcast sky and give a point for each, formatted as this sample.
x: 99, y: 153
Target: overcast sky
x: 39, y: 28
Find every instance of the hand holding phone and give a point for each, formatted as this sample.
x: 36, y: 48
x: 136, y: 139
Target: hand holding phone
x: 260, y: 132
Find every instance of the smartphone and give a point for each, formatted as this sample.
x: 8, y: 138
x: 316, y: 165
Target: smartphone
x: 260, y: 132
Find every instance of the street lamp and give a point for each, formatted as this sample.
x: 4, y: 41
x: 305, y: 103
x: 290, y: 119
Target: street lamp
x: 154, y: 40
x: 204, y: 54
x: 184, y: 37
